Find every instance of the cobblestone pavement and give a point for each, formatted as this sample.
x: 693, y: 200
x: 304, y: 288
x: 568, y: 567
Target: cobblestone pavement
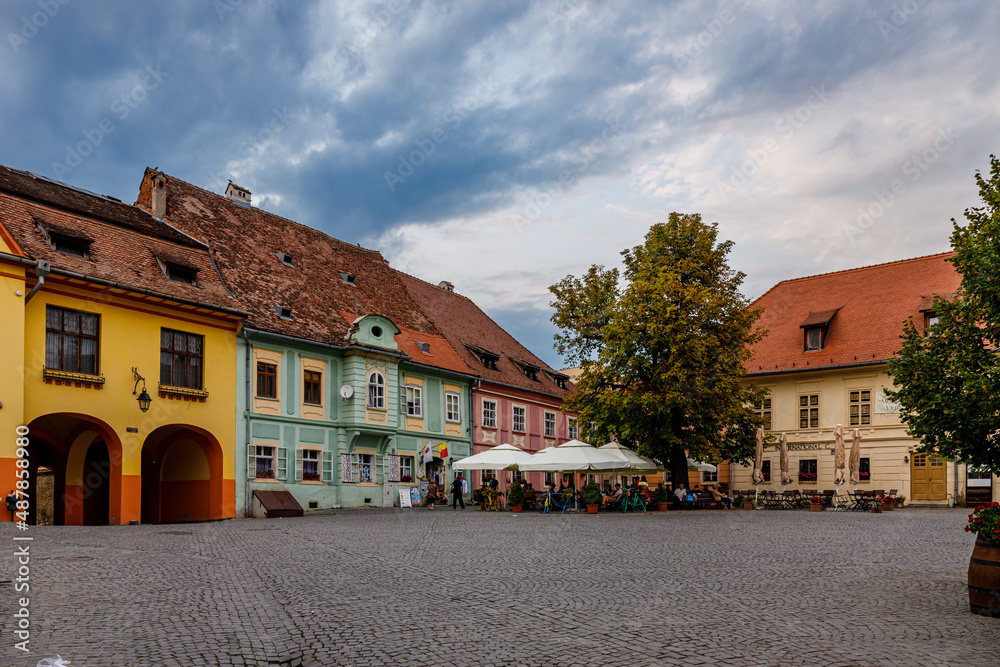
x: 422, y: 587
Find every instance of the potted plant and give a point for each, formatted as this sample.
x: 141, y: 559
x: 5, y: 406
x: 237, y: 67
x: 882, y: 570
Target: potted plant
x: 888, y: 504
x: 899, y: 502
x: 877, y: 506
x: 816, y: 504
x: 515, y: 496
x: 662, y: 497
x: 592, y: 497
x: 984, y: 565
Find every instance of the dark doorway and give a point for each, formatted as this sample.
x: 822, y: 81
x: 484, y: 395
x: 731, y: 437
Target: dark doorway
x: 96, y: 485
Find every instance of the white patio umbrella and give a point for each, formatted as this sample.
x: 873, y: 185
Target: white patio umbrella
x: 573, y: 456
x: 631, y: 460
x: 501, y: 457
x: 701, y: 466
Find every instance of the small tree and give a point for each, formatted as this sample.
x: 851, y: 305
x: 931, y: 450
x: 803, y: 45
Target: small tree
x: 948, y: 382
x: 515, y: 494
x: 662, y: 347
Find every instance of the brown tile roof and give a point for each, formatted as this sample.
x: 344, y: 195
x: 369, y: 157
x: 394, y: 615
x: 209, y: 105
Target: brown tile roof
x: 247, y: 241
x: 463, y: 324
x: 123, y: 241
x: 865, y: 307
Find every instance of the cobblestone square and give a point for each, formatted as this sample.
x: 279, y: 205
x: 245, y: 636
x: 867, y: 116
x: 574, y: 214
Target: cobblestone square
x: 443, y: 587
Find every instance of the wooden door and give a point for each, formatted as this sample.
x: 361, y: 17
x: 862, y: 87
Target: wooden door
x: 928, y: 477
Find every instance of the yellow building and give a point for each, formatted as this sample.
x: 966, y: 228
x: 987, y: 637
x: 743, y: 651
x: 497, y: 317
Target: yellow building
x: 119, y: 344
x: 825, y: 362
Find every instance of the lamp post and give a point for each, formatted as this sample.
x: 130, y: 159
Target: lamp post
x: 143, y: 398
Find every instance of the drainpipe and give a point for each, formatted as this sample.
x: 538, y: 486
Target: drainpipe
x: 41, y: 269
x: 956, y: 481
x: 249, y: 406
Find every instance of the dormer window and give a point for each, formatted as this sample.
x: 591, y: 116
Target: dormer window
x: 814, y: 338
x: 285, y: 258
x: 424, y: 347
x: 930, y: 315
x: 530, y: 370
x: 348, y: 278
x: 559, y: 379
x: 179, y: 273
x: 70, y: 245
x: 486, y: 358
x: 816, y: 329
x: 283, y: 312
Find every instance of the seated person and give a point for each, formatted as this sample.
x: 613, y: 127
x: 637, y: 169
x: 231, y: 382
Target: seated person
x: 679, y: 500
x: 717, y: 496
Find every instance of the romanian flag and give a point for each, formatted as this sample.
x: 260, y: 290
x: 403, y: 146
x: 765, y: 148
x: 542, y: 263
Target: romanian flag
x: 443, y: 450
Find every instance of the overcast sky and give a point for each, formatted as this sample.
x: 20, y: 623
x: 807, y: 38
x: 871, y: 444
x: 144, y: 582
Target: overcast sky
x: 504, y: 145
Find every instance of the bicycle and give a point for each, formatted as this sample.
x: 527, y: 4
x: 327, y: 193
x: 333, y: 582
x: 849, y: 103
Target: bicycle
x: 494, y: 502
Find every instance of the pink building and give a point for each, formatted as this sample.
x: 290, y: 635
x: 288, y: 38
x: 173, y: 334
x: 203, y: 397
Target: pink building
x: 518, y: 399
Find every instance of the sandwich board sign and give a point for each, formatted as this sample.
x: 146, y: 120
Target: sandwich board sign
x: 404, y: 498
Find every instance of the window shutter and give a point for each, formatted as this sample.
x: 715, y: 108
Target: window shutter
x: 251, y: 462
x: 298, y: 464
x: 327, y: 466
x: 282, y: 463
x: 393, y: 467
x: 346, y: 473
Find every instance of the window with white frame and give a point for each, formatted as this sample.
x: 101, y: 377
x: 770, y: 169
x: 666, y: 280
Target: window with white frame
x: 452, y: 407
x: 572, y: 429
x: 309, y: 465
x: 412, y: 395
x: 264, y: 464
x: 405, y: 468
x: 763, y: 409
x: 518, y: 475
x: 363, y: 468
x: 550, y: 424
x: 550, y: 478
x: 376, y: 390
x: 519, y: 419
x: 489, y: 414
x: 710, y: 476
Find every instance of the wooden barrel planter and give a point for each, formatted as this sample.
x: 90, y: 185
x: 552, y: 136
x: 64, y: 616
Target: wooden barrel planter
x: 984, y: 579
x: 815, y: 507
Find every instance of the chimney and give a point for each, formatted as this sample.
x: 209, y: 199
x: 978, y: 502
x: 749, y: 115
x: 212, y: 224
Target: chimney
x: 238, y: 195
x: 447, y: 286
x: 159, y: 197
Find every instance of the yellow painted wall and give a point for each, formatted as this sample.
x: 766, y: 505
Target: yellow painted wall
x: 129, y: 336
x: 11, y: 365
x: 267, y: 406
x: 310, y: 410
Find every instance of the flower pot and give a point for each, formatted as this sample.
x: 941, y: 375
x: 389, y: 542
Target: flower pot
x: 888, y: 507
x: 748, y: 505
x: 591, y: 509
x: 984, y: 579
x: 815, y: 507
x: 877, y: 508
x: 899, y: 504
x: 482, y: 505
x: 662, y: 507
x: 516, y: 509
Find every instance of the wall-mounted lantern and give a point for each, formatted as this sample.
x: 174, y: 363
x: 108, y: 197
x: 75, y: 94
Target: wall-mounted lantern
x: 143, y: 398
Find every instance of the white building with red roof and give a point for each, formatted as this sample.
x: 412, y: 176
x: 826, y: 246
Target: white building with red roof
x: 825, y: 362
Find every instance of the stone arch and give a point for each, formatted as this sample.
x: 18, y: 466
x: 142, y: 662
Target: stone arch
x: 182, y: 475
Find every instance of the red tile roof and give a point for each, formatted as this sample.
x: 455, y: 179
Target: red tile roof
x: 463, y: 323
x: 248, y: 240
x: 124, y: 242
x: 871, y: 304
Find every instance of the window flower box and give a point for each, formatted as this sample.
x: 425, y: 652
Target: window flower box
x: 310, y: 476
x: 406, y: 478
x: 807, y: 477
x: 264, y: 474
x: 865, y: 476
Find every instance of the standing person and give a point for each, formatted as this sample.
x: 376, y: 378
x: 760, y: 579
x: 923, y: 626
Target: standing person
x: 11, y: 504
x: 456, y: 493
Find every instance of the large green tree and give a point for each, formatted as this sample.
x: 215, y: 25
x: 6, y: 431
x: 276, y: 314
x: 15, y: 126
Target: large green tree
x: 948, y: 382
x: 662, y: 346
